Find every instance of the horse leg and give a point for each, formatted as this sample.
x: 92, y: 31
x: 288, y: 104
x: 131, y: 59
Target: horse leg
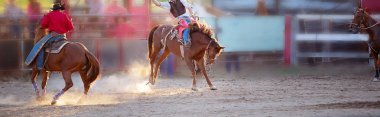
x: 45, y: 76
x: 33, y: 79
x: 68, y: 84
x: 376, y: 63
x: 160, y: 60
x: 191, y: 66
x: 86, y: 86
x: 201, y: 66
x: 152, y: 60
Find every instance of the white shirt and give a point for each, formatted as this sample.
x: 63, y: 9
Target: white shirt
x: 166, y: 5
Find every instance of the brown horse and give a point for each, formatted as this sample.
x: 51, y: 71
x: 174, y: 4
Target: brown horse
x: 364, y: 22
x: 202, y: 44
x: 74, y: 57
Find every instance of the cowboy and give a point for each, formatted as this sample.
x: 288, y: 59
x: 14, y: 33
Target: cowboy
x: 178, y: 10
x: 56, y: 21
x: 58, y: 24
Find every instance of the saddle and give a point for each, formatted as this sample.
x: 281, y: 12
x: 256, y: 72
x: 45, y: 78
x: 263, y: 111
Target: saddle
x: 46, y: 42
x: 175, y: 33
x: 56, y: 46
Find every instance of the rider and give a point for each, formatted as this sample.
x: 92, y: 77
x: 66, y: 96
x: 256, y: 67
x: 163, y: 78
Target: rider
x: 178, y: 10
x: 58, y: 24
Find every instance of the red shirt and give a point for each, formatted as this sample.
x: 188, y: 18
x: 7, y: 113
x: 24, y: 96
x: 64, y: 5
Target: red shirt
x: 57, y: 21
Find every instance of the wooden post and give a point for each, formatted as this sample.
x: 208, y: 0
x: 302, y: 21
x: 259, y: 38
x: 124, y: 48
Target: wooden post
x: 287, y: 39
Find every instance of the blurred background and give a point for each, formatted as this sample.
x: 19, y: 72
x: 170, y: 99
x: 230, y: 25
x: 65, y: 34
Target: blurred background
x: 279, y: 32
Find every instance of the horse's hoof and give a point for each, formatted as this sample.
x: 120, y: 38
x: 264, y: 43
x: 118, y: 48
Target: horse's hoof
x: 194, y: 89
x: 80, y: 101
x: 375, y: 79
x: 40, y: 98
x: 213, y: 88
x: 151, y: 81
x: 53, y: 102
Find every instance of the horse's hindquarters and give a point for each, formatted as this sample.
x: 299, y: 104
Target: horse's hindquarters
x: 71, y: 58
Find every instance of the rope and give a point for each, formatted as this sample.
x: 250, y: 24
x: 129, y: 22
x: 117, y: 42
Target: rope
x: 371, y: 26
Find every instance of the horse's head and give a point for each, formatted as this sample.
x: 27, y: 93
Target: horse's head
x: 359, y: 20
x: 213, y: 51
x: 213, y: 48
x: 39, y: 34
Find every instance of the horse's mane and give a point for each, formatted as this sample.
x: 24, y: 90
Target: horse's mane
x: 369, y: 17
x: 203, y: 28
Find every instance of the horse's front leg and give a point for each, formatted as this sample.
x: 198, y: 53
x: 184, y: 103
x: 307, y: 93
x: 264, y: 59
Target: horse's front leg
x: 45, y: 77
x: 201, y: 66
x: 191, y: 66
x: 34, y: 79
x: 376, y: 63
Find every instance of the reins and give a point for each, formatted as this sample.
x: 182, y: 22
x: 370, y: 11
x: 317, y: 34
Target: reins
x: 208, y: 66
x: 366, y: 28
x: 209, y: 43
x: 371, y: 26
x: 363, y: 19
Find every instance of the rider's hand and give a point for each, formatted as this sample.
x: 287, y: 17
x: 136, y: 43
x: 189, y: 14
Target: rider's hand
x: 155, y: 2
x: 195, y: 17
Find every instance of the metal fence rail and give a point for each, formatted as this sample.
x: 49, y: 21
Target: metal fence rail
x: 96, y: 35
x: 326, y: 36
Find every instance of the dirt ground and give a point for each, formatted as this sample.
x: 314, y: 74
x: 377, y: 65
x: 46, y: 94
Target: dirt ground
x: 261, y: 90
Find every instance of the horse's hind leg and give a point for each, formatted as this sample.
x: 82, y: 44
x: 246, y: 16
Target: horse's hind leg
x: 33, y: 79
x: 68, y: 84
x: 86, y: 85
x: 201, y: 65
x: 153, y: 57
x: 160, y: 60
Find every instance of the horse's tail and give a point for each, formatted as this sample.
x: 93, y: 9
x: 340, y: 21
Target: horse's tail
x: 92, y: 67
x: 150, y: 40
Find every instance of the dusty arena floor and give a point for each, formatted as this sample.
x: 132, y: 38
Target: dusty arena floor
x: 255, y: 91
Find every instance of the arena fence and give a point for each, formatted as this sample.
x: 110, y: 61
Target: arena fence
x: 292, y: 38
x: 326, y: 37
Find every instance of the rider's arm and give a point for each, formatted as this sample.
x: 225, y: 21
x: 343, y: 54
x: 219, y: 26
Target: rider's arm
x: 69, y: 23
x: 164, y: 5
x: 188, y: 6
x: 45, y: 22
x: 155, y: 2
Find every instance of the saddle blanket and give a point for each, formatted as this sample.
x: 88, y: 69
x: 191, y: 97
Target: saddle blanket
x: 36, y: 48
x: 39, y: 45
x: 56, y: 47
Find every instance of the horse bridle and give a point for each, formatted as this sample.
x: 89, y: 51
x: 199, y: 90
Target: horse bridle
x: 207, y: 49
x: 362, y: 22
x: 209, y: 43
x: 365, y: 28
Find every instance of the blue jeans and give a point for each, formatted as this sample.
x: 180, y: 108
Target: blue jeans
x: 186, y: 32
x: 40, y: 56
